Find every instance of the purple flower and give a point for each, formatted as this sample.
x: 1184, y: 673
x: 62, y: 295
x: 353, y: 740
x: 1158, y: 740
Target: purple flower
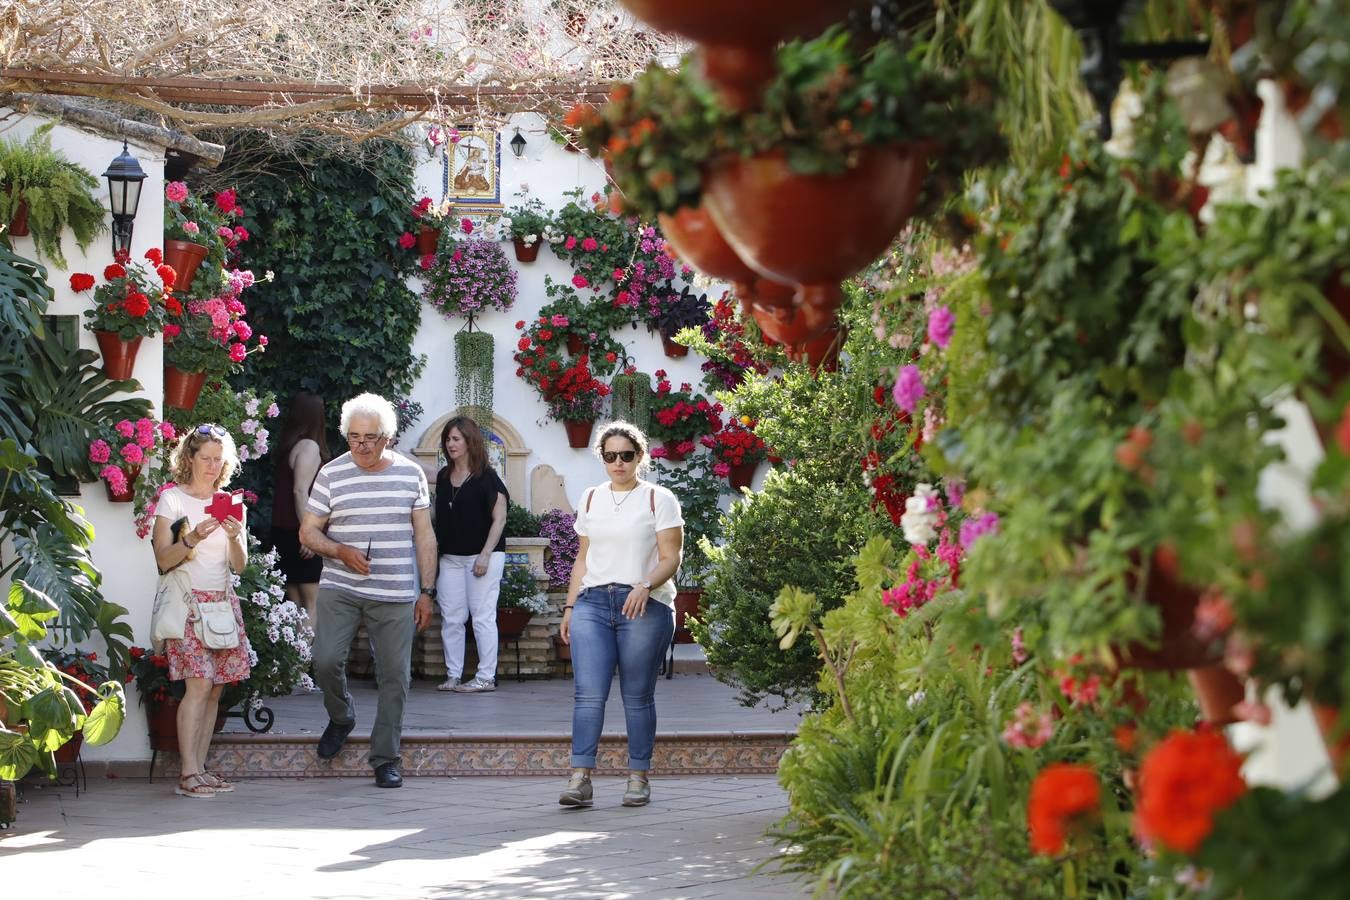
x: 956, y: 491
x: 909, y: 388
x: 974, y: 529
x: 940, y: 324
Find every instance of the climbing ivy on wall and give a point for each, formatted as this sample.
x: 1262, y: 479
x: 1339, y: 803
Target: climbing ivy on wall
x: 338, y: 312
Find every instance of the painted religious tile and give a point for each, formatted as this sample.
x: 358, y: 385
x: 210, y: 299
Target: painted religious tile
x: 471, y: 171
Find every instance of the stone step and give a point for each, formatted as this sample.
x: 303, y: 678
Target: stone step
x: 454, y: 755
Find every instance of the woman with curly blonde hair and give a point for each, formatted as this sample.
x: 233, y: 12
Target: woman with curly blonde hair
x: 186, y: 535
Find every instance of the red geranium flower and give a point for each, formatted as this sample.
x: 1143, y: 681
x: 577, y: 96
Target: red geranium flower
x: 113, y: 272
x: 1062, y: 794
x: 81, y: 281
x: 1184, y: 781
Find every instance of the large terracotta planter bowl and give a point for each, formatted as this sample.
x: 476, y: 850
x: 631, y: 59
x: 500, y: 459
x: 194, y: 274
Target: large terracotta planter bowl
x: 1178, y: 646
x: 741, y: 23
x: 692, y: 234
x: 814, y: 230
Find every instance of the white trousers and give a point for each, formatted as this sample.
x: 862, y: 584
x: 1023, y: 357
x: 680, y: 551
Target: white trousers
x: 461, y: 595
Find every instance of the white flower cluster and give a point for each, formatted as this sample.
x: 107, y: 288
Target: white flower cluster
x: 553, y: 234
x: 919, y: 522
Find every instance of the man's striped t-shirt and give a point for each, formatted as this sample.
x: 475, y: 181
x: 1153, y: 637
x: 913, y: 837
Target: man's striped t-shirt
x: 375, y: 508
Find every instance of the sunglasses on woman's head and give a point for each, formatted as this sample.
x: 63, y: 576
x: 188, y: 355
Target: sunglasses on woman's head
x: 212, y: 430
x: 626, y: 455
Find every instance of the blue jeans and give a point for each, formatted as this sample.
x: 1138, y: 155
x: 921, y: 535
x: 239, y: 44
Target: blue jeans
x: 602, y: 637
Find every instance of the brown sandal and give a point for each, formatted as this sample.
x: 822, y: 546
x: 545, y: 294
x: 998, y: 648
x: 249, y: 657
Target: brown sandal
x: 218, y: 784
x: 195, y: 786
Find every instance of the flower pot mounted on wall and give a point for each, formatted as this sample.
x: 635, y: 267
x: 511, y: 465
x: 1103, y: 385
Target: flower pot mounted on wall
x: 427, y: 240
x: 742, y: 474
x: 184, y: 257
x: 578, y: 434
x: 526, y: 253
x: 18, y: 226
x: 128, y: 492
x: 119, y: 356
x: 182, y: 388
x: 672, y: 349
x: 1178, y: 646
x: 511, y: 623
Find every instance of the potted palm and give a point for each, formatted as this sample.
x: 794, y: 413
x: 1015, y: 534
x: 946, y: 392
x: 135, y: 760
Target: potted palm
x: 518, y: 600
x: 43, y: 193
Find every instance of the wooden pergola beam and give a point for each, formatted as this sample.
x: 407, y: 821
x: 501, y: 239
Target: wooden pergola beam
x: 221, y: 92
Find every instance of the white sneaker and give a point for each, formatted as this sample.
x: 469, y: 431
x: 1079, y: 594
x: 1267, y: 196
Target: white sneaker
x: 477, y: 686
x: 449, y: 684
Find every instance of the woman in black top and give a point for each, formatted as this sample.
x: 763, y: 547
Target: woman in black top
x: 470, y: 534
x: 303, y: 450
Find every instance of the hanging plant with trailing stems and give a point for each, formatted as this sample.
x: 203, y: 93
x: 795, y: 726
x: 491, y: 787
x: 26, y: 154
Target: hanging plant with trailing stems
x: 473, y: 374
x: 632, y: 397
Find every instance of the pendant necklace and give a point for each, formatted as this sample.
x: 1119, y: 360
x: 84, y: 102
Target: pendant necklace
x: 454, y: 491
x: 617, y: 502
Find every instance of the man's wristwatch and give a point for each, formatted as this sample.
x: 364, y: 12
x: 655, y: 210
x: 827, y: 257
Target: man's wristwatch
x: 430, y: 592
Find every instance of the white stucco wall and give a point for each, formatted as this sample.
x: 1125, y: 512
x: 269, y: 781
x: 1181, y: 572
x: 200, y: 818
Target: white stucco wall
x: 549, y: 171
x: 125, y: 560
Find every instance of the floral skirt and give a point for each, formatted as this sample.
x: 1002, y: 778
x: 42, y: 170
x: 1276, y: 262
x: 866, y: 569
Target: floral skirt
x: 189, y: 659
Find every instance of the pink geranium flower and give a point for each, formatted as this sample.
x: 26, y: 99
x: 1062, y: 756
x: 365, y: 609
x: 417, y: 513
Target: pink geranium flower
x: 175, y: 192
x: 133, y: 454
x: 99, y: 452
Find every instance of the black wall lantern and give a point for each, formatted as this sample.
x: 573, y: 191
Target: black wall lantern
x: 518, y: 144
x: 124, y: 194
x: 1099, y: 24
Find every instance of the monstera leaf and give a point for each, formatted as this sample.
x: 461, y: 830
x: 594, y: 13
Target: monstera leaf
x: 24, y: 294
x: 64, y: 402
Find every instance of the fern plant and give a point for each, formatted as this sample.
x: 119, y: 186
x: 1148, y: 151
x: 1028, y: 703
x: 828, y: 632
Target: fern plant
x: 56, y: 190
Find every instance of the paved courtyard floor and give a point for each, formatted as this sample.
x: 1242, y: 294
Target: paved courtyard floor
x: 433, y: 838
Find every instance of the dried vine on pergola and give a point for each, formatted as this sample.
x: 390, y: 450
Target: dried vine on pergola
x: 355, y: 68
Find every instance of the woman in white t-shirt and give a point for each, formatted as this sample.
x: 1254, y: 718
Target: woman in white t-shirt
x: 620, y: 607
x: 208, y: 550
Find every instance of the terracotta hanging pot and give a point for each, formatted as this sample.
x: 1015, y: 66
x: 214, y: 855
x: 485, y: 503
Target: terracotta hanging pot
x: 119, y: 356
x: 182, y: 388
x: 69, y: 752
x: 575, y: 344
x: 1178, y: 646
x: 787, y: 324
x: 694, y: 237
x: 814, y: 230
x: 18, y: 225
x: 427, y: 240
x: 129, y: 493
x: 1217, y: 690
x: 526, y: 253
x: 742, y: 474
x: 578, y: 433
x: 820, y: 352
x: 672, y: 349
x: 511, y: 623
x: 739, y: 38
x: 184, y: 257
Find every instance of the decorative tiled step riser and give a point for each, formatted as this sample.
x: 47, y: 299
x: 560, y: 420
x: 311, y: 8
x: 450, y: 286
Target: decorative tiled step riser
x: 247, y: 756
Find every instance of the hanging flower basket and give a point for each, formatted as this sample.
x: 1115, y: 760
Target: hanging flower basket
x: 128, y: 491
x: 673, y: 453
x: 181, y: 388
x: 575, y: 344
x: 785, y: 324
x: 428, y: 239
x: 526, y: 253
x: 184, y: 257
x: 579, y: 433
x: 739, y: 38
x: 672, y: 349
x: 774, y: 217
x: 119, y: 356
x: 821, y: 351
x: 18, y: 226
x: 693, y: 235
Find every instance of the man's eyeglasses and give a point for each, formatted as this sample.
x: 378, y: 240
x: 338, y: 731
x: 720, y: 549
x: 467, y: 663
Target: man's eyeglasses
x: 364, y: 440
x: 626, y: 455
x: 212, y: 430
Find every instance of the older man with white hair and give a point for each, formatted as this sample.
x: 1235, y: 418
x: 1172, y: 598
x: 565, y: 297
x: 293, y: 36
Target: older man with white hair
x: 369, y: 517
